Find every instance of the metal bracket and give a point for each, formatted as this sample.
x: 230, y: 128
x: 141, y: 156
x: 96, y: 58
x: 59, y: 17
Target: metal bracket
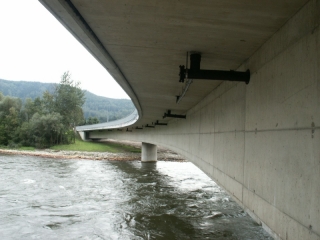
x: 196, y: 73
x: 128, y: 130
x: 138, y: 128
x: 182, y: 73
x: 160, y: 124
x: 168, y: 114
x: 148, y: 126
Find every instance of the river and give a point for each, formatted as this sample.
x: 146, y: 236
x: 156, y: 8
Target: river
x: 42, y: 198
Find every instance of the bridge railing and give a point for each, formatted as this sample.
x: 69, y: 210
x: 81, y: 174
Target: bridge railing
x: 120, y: 123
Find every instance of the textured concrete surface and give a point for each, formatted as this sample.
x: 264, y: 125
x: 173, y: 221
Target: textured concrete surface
x: 142, y: 43
x: 259, y: 141
x: 148, y: 152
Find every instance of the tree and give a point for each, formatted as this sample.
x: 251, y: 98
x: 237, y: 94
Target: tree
x: 9, y: 118
x: 92, y: 120
x: 48, y: 102
x: 45, y: 121
x: 28, y: 110
x: 44, y: 130
x: 68, y: 100
x: 24, y: 133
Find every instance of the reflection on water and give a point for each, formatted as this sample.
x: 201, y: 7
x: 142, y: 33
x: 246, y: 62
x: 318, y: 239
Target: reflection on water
x: 78, y: 199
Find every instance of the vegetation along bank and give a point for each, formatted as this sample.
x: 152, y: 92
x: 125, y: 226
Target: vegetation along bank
x: 112, y: 150
x: 42, y: 114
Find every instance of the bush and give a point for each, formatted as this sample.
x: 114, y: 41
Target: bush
x: 14, y: 145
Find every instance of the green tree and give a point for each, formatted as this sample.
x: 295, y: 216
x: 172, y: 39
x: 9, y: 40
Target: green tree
x: 44, y: 130
x: 92, y: 120
x: 45, y: 121
x: 28, y: 110
x: 9, y: 118
x: 48, y: 102
x: 25, y: 134
x: 68, y: 99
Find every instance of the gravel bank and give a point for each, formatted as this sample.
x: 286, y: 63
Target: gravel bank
x: 163, y: 154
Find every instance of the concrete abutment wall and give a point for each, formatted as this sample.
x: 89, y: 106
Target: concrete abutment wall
x: 261, y: 142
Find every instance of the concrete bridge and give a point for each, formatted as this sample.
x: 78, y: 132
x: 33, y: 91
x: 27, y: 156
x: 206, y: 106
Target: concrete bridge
x: 260, y: 141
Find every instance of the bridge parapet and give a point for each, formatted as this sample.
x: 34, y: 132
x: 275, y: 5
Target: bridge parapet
x: 120, y: 123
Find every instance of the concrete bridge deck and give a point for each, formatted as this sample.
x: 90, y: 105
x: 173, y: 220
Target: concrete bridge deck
x: 260, y: 141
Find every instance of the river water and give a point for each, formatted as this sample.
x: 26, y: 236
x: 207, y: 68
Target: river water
x: 43, y: 198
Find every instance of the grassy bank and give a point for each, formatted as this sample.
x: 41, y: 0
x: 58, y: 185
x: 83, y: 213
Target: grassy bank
x: 80, y: 145
x: 18, y: 148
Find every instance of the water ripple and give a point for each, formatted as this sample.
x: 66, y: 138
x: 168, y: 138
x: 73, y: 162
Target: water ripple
x: 77, y: 199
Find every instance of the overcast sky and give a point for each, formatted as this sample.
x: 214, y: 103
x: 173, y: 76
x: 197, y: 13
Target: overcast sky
x: 34, y: 46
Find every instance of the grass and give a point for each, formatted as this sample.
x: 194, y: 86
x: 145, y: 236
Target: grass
x: 80, y: 145
x: 17, y: 148
x: 26, y: 148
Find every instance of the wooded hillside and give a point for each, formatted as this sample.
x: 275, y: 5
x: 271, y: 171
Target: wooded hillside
x: 94, y: 106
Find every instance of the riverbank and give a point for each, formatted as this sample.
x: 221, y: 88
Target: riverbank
x: 163, y: 154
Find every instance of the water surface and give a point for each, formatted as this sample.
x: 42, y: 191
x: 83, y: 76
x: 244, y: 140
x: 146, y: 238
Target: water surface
x: 44, y: 198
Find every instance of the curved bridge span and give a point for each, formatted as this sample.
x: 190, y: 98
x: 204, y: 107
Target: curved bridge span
x: 258, y: 139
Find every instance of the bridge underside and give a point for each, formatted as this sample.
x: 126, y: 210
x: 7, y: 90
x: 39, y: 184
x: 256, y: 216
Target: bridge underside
x: 259, y: 141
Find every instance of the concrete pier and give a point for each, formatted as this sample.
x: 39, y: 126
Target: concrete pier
x: 148, y: 152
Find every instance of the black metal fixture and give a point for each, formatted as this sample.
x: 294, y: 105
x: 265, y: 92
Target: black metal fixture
x: 128, y: 130
x: 182, y: 73
x: 168, y: 114
x: 196, y: 73
x: 160, y: 124
x: 138, y: 128
x: 149, y: 126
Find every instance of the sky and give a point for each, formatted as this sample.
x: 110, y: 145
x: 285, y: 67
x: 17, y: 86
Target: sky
x: 34, y: 46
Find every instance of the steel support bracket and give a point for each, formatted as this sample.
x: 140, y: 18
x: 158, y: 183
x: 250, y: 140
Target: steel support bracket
x: 196, y: 73
x: 168, y: 114
x: 160, y: 124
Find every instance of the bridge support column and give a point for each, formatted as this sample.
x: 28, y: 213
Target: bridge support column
x: 83, y: 136
x: 149, y: 152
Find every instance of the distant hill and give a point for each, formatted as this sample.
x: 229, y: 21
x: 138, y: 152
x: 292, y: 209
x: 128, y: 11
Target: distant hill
x: 94, y: 106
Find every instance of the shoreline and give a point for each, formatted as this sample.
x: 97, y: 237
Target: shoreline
x: 98, y: 156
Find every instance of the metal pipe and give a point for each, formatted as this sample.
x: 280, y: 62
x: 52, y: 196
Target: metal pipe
x: 184, y: 90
